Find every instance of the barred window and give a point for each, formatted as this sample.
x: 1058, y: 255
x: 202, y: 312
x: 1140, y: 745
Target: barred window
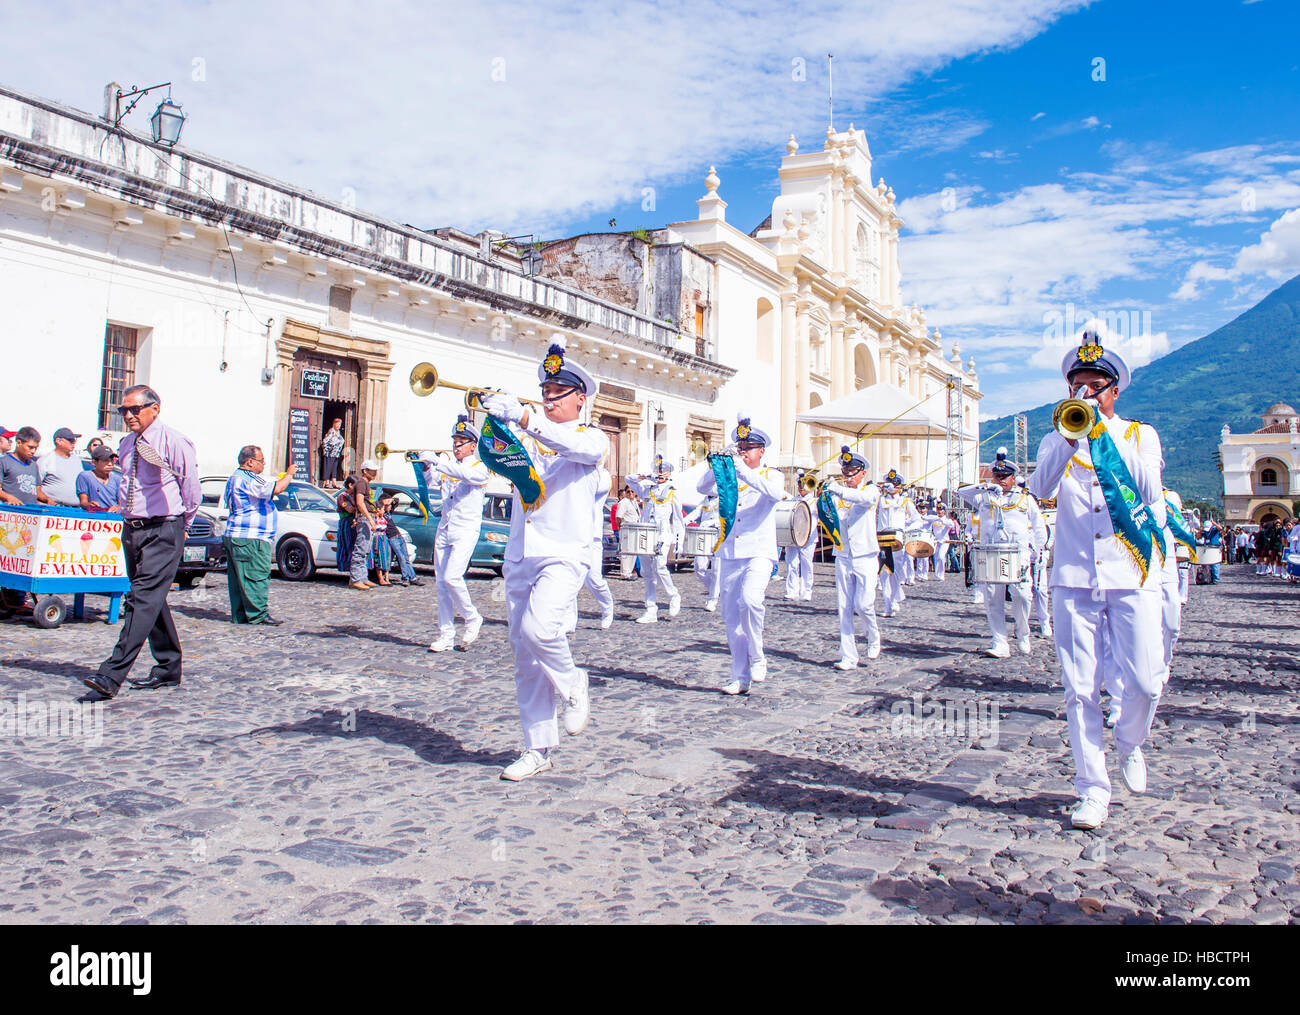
x: 119, y: 373
x: 1268, y: 477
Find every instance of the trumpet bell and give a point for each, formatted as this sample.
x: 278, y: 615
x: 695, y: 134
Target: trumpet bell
x: 424, y: 379
x: 381, y: 451
x: 808, y: 483
x: 1073, y: 418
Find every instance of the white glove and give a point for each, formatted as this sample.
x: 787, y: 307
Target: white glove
x: 732, y: 449
x: 504, y: 407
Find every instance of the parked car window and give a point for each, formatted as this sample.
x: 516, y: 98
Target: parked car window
x: 405, y: 505
x: 497, y: 509
x: 308, y: 498
x: 212, y: 491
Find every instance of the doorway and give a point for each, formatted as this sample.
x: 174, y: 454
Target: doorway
x: 326, y: 389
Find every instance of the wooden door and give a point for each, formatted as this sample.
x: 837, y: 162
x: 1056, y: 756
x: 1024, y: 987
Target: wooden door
x: 612, y: 426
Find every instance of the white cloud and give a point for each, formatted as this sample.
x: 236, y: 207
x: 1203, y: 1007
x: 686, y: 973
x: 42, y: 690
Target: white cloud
x: 515, y: 114
x: 1276, y: 256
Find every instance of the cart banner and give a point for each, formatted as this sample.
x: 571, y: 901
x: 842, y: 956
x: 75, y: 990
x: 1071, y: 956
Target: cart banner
x: 62, y: 546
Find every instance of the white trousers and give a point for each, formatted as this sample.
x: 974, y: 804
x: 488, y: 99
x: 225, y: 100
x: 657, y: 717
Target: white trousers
x: 1171, y: 615
x: 1098, y: 632
x: 1184, y: 576
x: 941, y: 560
x: 922, y: 567
x: 891, y: 585
x: 1042, y: 599
x: 596, y: 583
x: 709, y: 572
x: 995, y: 603
x: 799, y: 569
x: 906, y: 565
x: 743, y: 585
x: 654, y: 569
x: 540, y: 592
x: 451, y: 558
x: 855, y: 582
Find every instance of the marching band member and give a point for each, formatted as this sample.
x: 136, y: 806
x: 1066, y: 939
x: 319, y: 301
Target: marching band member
x: 895, y: 511
x: 858, y: 556
x: 1007, y: 515
x: 1042, y: 598
x: 1106, y: 610
x: 921, y: 565
x: 706, y: 568
x: 799, y: 561
x: 747, y: 554
x: 463, y: 479
x: 547, y: 553
x: 595, y: 582
x: 1171, y: 589
x: 942, y: 530
x: 661, y: 509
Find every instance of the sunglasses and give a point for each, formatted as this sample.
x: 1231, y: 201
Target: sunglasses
x: 134, y: 410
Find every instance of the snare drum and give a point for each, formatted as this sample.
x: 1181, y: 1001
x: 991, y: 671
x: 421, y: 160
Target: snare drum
x: 918, y: 542
x: 638, y: 537
x: 1293, y: 565
x: 794, y: 523
x: 700, y: 541
x: 998, y: 563
x: 1209, y: 555
x: 888, y: 539
x: 1182, y: 553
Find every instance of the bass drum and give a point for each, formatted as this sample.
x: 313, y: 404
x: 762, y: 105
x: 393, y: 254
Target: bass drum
x: 794, y: 523
x: 918, y: 542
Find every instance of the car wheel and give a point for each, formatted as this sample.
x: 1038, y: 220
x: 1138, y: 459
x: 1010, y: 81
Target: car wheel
x: 293, y: 558
x: 49, y: 612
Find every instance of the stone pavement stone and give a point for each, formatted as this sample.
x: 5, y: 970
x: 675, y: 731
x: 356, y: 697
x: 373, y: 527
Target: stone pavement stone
x: 332, y: 770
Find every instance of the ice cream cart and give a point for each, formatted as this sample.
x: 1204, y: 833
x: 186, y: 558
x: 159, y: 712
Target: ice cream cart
x: 53, y: 551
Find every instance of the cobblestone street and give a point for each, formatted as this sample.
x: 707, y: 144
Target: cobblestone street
x: 332, y: 770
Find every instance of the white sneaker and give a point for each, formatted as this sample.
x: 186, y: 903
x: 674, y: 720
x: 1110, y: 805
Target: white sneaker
x: 529, y: 764
x: 1000, y: 650
x: 844, y: 664
x: 650, y: 616
x: 674, y: 606
x: 979, y: 599
x: 444, y: 644
x: 758, y: 672
x: 1088, y: 814
x: 711, y: 605
x: 792, y: 595
x: 1112, y: 717
x: 1134, y: 770
x: 807, y: 597
x: 607, y: 620
x: 470, y: 634
x: 579, y: 710
x: 736, y: 687
x: 1046, y: 630
x: 873, y: 650
x: 1024, y: 646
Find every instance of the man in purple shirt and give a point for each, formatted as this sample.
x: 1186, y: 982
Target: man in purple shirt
x: 158, y: 497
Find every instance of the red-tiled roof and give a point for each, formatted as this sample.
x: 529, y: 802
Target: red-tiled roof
x: 1274, y: 428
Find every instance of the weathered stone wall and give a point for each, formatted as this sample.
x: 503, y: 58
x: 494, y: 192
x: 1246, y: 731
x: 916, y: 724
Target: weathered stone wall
x: 609, y: 266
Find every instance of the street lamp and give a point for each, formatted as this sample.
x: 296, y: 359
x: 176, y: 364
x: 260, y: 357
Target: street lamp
x: 166, y: 121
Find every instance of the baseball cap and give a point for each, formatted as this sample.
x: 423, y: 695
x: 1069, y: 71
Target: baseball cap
x: 102, y: 453
x: 6, y: 432
x: 370, y: 465
x: 66, y: 434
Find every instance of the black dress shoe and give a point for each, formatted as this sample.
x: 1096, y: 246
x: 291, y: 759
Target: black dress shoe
x: 152, y: 682
x: 101, y: 688
x: 417, y: 581
x: 271, y: 622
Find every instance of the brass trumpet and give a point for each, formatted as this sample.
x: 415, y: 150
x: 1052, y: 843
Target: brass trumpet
x: 808, y: 482
x: 1074, y: 418
x: 425, y: 381
x: 382, y: 451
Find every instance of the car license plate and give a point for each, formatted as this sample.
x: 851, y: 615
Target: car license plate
x: 195, y: 553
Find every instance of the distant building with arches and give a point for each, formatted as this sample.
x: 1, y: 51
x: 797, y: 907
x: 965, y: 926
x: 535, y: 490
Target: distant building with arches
x: 1261, y: 470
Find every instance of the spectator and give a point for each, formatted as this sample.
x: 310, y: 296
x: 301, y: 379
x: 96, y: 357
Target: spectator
x: 397, y: 542
x: 88, y: 456
x: 347, y: 520
x: 159, y: 497
x: 60, y: 469
x: 380, y: 560
x: 332, y: 451
x: 250, y: 533
x: 20, y: 475
x: 7, y: 439
x: 364, y: 530
x: 97, y: 487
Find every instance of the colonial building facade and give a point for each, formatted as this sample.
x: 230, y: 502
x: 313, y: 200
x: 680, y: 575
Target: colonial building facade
x: 260, y: 312
x: 1261, y: 470
x: 808, y: 307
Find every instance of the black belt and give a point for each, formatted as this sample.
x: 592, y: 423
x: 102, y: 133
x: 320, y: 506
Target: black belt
x: 149, y: 523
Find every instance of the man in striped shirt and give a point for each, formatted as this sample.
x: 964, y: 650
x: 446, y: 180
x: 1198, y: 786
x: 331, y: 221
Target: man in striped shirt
x: 250, y: 534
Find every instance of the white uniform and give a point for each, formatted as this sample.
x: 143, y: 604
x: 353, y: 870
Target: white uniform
x: 746, y: 558
x: 706, y: 568
x: 463, y: 486
x: 941, y: 528
x: 1171, y: 596
x: 546, y: 563
x: 595, y: 582
x: 1042, y: 596
x: 856, y: 563
x: 1007, y: 517
x: 895, y: 511
x: 663, y: 511
x: 1105, y: 615
x: 799, y: 561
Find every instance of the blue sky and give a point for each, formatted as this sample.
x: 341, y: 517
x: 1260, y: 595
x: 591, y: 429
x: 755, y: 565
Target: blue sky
x: 1166, y: 195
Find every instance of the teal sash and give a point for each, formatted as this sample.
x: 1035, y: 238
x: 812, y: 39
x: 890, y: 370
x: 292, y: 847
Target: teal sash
x: 828, y: 517
x: 422, y: 484
x: 1134, y: 527
x: 724, y: 473
x: 500, y: 450
x: 1178, y: 526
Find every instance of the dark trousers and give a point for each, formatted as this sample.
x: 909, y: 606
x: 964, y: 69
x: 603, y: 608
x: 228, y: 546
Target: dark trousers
x: 152, y: 556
